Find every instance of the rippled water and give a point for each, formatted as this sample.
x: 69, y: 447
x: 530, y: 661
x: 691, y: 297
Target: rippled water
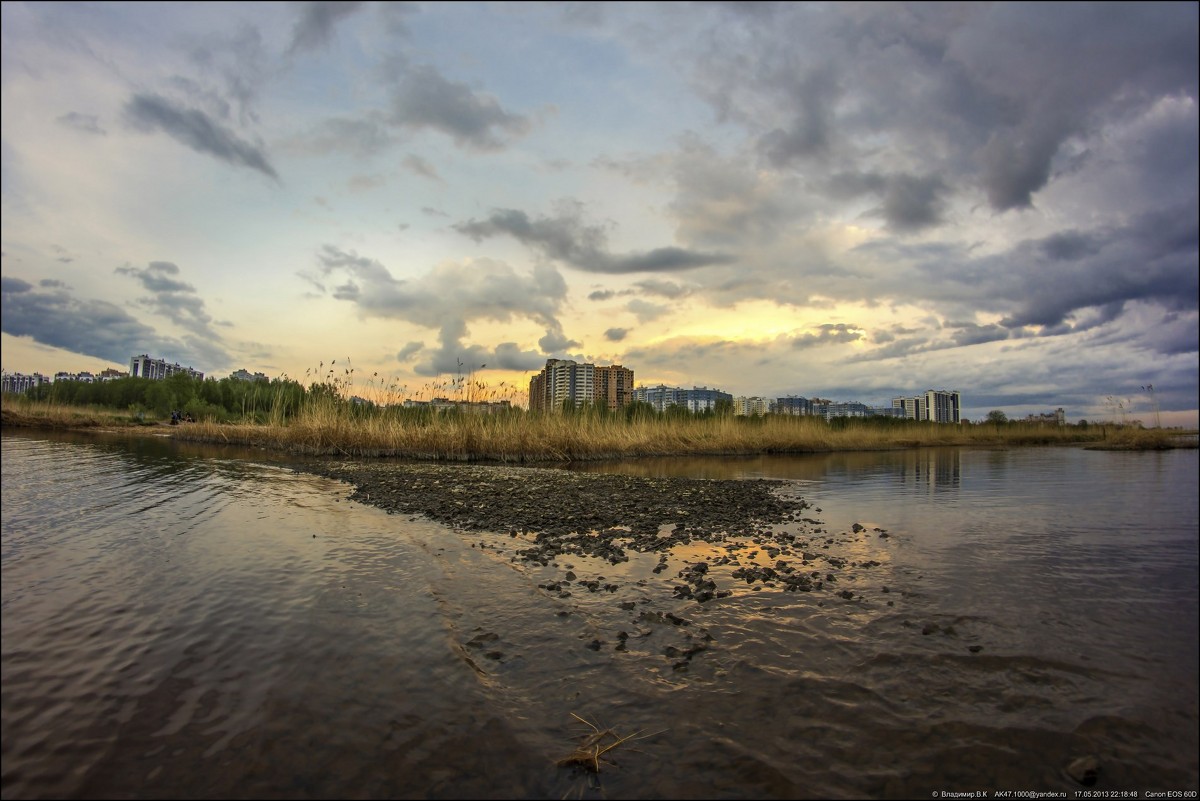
x: 195, y: 623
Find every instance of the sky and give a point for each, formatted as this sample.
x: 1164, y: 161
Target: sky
x: 847, y: 201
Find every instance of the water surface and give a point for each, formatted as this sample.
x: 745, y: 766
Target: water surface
x: 192, y: 622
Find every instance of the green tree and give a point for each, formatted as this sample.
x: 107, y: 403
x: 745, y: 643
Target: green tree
x: 997, y: 417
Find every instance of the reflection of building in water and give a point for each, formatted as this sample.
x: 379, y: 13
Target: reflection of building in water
x: 934, y: 469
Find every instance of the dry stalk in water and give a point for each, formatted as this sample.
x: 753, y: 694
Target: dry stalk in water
x: 588, y: 754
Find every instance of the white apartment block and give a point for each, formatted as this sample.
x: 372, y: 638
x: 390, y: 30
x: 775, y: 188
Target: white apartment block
x: 19, y: 382
x: 695, y: 400
x: 146, y: 367
x: 936, y: 405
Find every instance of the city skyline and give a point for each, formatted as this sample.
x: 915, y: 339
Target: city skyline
x: 847, y: 201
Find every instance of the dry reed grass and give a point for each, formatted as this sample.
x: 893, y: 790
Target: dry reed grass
x: 522, y: 437
x: 25, y: 413
x: 591, y: 750
x: 326, y: 424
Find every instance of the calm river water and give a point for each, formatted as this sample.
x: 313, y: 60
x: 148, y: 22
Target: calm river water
x: 188, y: 622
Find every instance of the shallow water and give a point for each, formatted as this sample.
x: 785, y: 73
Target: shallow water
x: 192, y: 622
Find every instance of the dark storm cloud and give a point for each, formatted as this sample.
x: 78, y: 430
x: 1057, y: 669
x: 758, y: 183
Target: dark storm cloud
x: 316, y: 22
x: 986, y: 96
x: 92, y: 327
x: 88, y: 123
x: 197, y: 130
x: 1066, y: 282
x: 449, y: 297
x: 424, y: 98
x: 1068, y: 246
x: 568, y: 239
x: 1154, y: 259
x: 1067, y: 67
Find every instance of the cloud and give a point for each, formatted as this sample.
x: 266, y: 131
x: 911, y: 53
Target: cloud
x: 812, y: 95
x: 448, y: 298
x: 829, y: 334
x: 316, y: 22
x: 1068, y: 246
x: 555, y: 342
x: 419, y: 166
x: 172, y: 298
x: 197, y: 130
x: 88, y: 123
x: 646, y: 311
x: 665, y: 289
x: 362, y: 137
x: 912, y: 203
x: 616, y: 334
x: 509, y: 356
x: 92, y: 327
x: 423, y: 98
x: 1154, y: 258
x: 989, y: 97
x: 568, y: 239
x: 974, y: 334
x: 408, y: 351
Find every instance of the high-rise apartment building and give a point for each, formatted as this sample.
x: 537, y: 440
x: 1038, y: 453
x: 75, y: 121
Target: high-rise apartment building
x: 936, y: 405
x: 614, y: 386
x: 564, y: 381
x: 146, y: 367
x: 942, y: 406
x: 19, y: 382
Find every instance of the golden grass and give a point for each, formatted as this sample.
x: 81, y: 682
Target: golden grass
x: 522, y: 437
